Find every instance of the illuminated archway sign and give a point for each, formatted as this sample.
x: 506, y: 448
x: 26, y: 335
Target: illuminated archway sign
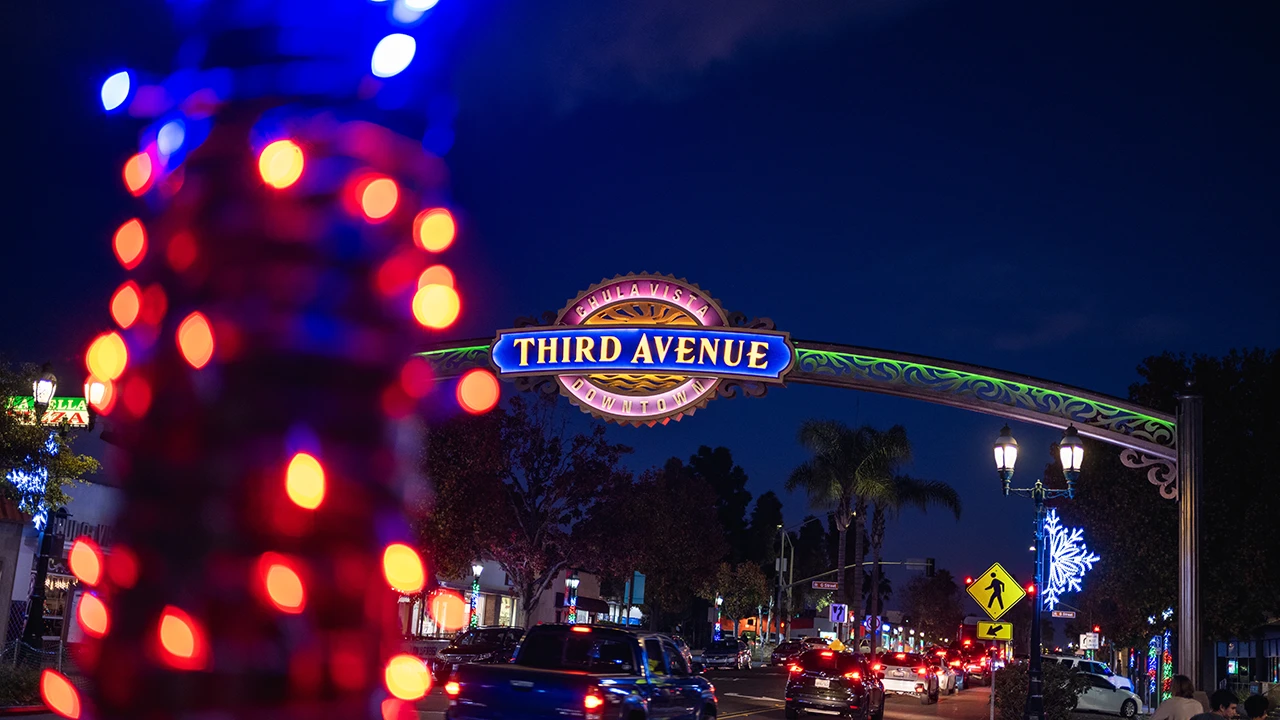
x: 642, y: 349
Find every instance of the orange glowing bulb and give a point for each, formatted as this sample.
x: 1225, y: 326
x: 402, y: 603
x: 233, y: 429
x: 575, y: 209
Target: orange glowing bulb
x: 181, y: 639
x: 478, y: 391
x: 436, y: 306
x: 107, y: 356
x: 403, y: 568
x: 93, y: 616
x: 195, y: 340
x: 85, y: 560
x: 407, y: 677
x: 378, y: 197
x: 448, y: 610
x: 59, y: 694
x: 280, y: 164
x: 125, y: 304
x: 434, y: 229
x: 137, y: 173
x: 436, y: 275
x: 130, y: 243
x: 304, y: 481
x: 282, y: 585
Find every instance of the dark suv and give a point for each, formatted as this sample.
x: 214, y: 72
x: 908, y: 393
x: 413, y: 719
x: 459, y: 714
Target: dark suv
x: 787, y: 652
x: 478, y: 645
x: 834, y: 682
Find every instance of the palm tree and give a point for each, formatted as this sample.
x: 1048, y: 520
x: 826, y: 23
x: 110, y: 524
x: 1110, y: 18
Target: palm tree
x: 902, y: 492
x: 847, y: 466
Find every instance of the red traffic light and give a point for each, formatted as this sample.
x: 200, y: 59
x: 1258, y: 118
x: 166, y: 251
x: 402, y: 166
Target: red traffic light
x: 1097, y: 628
x: 1031, y: 588
x: 968, y: 579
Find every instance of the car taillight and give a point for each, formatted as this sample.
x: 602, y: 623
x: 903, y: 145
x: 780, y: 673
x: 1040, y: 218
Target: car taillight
x: 793, y: 668
x: 984, y: 662
x: 452, y: 688
x: 855, y: 675
x: 941, y: 673
x: 921, y: 671
x: 954, y: 663
x: 828, y: 653
x: 877, y: 667
x: 591, y: 702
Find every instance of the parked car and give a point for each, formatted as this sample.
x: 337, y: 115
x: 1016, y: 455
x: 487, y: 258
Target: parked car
x: 683, y: 647
x: 727, y: 653
x: 1093, y: 667
x: 584, y: 671
x: 1102, y: 696
x: 477, y: 645
x: 909, y: 674
x: 787, y: 652
x: 836, y: 683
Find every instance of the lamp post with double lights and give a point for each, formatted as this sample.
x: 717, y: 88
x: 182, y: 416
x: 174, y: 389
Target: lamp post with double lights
x: 571, y: 585
x: 476, y: 568
x: 1070, y: 454
x: 715, y: 631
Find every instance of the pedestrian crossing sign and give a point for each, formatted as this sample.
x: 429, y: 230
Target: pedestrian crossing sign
x: 996, y: 591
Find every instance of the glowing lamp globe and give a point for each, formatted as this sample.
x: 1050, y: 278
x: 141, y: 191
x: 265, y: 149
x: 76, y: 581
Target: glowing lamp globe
x: 44, y: 386
x: 1071, y: 453
x: 1006, y: 452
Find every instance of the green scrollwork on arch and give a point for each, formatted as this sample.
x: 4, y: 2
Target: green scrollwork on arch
x: 1108, y: 418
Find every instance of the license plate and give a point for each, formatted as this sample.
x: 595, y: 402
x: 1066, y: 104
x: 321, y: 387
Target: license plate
x: 819, y: 682
x: 899, y: 673
x: 455, y: 668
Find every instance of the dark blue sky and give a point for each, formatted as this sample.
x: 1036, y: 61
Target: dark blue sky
x: 1058, y: 190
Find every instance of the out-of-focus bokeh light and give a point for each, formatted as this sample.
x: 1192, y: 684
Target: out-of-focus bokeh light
x: 420, y: 5
x: 407, y: 677
x: 378, y: 197
x: 107, y: 356
x: 416, y: 378
x: 280, y: 164
x: 122, y: 566
x: 125, y: 304
x: 397, y: 709
x: 154, y: 304
x: 181, y: 640
x: 130, y: 243
x: 434, y: 229
x: 448, y: 610
x: 85, y: 560
x: 138, y: 173
x: 478, y: 391
x: 182, y: 251
x: 59, y: 694
x: 396, y: 275
x: 393, y: 54
x: 403, y: 568
x: 136, y: 396
x: 304, y: 481
x: 436, y: 275
x: 101, y: 394
x: 281, y: 583
x: 169, y: 138
x: 115, y: 90
x: 195, y: 340
x: 436, y: 306
x: 93, y: 616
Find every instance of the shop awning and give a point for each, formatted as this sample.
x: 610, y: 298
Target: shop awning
x: 586, y: 604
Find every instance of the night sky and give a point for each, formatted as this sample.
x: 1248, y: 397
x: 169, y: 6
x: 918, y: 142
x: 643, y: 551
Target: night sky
x: 1058, y: 190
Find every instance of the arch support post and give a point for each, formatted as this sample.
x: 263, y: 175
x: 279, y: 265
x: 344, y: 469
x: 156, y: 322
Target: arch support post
x: 1190, y: 482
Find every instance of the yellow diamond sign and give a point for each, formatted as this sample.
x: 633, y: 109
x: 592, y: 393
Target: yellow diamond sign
x: 996, y: 591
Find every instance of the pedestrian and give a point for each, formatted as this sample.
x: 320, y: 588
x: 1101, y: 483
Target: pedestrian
x: 1256, y: 706
x: 1183, y: 705
x: 1222, y: 704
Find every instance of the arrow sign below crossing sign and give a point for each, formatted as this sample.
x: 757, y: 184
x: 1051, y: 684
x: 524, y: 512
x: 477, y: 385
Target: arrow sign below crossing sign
x: 995, y: 630
x: 839, y: 613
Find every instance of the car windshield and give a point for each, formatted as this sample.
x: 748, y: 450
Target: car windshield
x: 904, y: 659
x: 723, y: 646
x: 789, y: 646
x: 577, y: 651
x: 491, y: 636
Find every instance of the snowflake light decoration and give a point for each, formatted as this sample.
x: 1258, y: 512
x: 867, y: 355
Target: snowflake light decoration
x: 1069, y: 559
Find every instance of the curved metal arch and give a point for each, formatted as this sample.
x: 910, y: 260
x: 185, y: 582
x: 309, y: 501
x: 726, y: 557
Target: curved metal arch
x: 944, y: 382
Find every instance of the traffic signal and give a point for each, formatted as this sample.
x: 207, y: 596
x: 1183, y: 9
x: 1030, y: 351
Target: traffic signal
x: 1097, y: 628
x: 968, y: 580
x: 928, y: 567
x: 1031, y: 588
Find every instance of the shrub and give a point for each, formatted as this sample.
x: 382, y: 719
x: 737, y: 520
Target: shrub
x: 1062, y: 686
x: 19, y: 685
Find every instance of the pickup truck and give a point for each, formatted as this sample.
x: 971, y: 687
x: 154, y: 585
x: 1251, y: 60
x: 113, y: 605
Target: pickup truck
x: 588, y: 672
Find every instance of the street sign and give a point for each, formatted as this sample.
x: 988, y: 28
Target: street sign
x: 1089, y: 641
x: 1068, y: 614
x: 825, y: 585
x: 995, y: 630
x: 839, y: 613
x: 996, y: 591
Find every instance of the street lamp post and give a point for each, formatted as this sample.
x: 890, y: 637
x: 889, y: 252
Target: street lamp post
x: 1070, y: 454
x: 476, y: 569
x: 42, y: 391
x: 715, y: 631
x: 33, y: 630
x: 571, y: 583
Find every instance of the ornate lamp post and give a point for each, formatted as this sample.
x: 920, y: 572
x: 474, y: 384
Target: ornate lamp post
x: 476, y: 568
x: 1070, y: 454
x: 571, y: 584
x: 42, y: 390
x: 715, y: 632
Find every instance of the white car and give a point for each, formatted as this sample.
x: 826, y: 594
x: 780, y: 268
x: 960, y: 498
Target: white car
x: 1103, y: 697
x: 909, y: 674
x: 948, y: 680
x: 1093, y: 667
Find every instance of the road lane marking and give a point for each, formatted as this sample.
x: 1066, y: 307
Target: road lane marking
x: 753, y: 697
x: 749, y: 713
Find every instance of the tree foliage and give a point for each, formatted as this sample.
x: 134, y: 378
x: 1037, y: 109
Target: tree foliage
x: 1062, y: 686
x: 515, y: 486
x: 934, y: 604
x: 728, y: 481
x: 29, y: 449
x: 742, y: 586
